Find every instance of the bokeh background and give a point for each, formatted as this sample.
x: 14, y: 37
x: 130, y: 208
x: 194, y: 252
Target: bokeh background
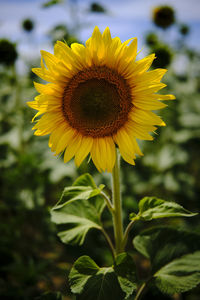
x: 33, y: 261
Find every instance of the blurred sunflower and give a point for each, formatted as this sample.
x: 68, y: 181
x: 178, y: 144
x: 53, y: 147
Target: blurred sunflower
x: 164, y: 16
x: 98, y: 97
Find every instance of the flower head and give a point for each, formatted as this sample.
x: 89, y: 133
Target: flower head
x: 28, y: 25
x: 164, y: 16
x: 98, y: 97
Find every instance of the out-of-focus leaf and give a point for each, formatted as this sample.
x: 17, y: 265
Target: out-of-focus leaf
x: 180, y: 275
x: 79, y: 210
x: 50, y: 296
x: 97, y: 8
x: 51, y: 3
x: 163, y: 244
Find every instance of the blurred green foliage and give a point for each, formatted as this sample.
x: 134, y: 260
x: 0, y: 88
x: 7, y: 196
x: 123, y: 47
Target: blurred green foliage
x: 8, y: 52
x: 32, y: 259
x: 97, y: 8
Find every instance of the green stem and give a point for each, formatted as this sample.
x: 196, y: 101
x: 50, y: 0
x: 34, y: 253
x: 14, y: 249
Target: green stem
x: 108, y: 241
x: 142, y: 290
x: 108, y: 202
x: 117, y: 214
x: 128, y: 229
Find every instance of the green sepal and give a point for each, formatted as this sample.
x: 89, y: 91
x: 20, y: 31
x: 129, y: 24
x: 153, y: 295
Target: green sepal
x: 154, y: 208
x: 78, y: 210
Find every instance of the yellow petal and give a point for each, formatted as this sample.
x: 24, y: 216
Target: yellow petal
x: 84, y: 149
x: 49, y: 89
x: 164, y: 97
x: 65, y: 140
x: 68, y: 58
x: 107, y: 37
x: 131, y: 51
x: 96, y: 37
x: 56, y: 136
x: 147, y: 89
x: 50, y: 59
x: 81, y: 54
x: 96, y: 46
x: 145, y: 117
x: 141, y: 131
x: 144, y: 64
x: 136, y: 147
x: 33, y: 104
x: 48, y: 122
x: 125, y: 145
x: 43, y: 75
x: 147, y: 103
x: 110, y: 152
x: 110, y: 53
x: 98, y: 154
x: 72, y: 148
x: 140, y: 66
x: 150, y: 77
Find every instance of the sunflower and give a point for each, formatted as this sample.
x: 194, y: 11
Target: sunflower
x: 98, y: 97
x: 164, y: 16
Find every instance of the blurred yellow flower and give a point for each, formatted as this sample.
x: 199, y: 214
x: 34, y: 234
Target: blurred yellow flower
x: 98, y: 97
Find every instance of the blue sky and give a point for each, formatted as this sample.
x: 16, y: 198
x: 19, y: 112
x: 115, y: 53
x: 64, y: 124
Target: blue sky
x: 126, y: 19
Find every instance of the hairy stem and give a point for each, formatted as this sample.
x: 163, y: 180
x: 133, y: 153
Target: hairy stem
x: 117, y: 214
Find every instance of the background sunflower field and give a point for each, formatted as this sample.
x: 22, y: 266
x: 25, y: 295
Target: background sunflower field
x: 34, y: 264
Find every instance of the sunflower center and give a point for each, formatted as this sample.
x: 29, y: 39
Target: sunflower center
x: 97, y: 101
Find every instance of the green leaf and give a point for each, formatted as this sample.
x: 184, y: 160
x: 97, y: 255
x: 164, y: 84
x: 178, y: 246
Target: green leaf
x: 180, y: 275
x: 153, y: 208
x: 163, y: 244
x: 174, y: 266
x: 78, y: 210
x: 125, y: 270
x: 91, y: 282
x: 85, y: 180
